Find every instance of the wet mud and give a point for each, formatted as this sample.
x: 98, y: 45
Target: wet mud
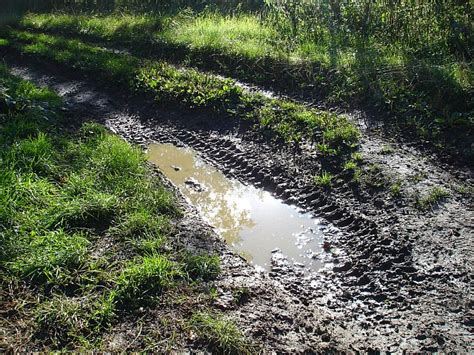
x: 251, y: 220
x: 396, y: 277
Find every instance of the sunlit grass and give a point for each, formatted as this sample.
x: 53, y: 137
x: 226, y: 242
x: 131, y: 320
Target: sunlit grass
x: 283, y: 119
x: 144, y: 278
x: 242, y: 35
x: 426, y: 89
x: 126, y: 27
x: 222, y: 334
x: 61, y: 196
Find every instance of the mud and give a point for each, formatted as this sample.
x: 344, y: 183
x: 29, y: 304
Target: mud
x: 251, y: 220
x: 400, y: 278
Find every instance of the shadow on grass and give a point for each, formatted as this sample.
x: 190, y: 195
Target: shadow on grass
x: 419, y: 99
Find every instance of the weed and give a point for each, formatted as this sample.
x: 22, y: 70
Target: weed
x: 220, y: 334
x: 325, y: 150
x: 144, y: 279
x: 357, y: 156
x: 433, y: 196
x: 241, y: 295
x: 50, y: 257
x: 324, y: 180
x: 350, y: 165
x: 203, y: 266
x: 396, y: 189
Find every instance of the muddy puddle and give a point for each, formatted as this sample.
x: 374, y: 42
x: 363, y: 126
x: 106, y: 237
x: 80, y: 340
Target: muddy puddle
x: 251, y: 220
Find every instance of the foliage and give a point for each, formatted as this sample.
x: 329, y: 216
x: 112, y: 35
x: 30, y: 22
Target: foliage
x: 324, y: 180
x: 285, y: 120
x: 144, y: 278
x: 357, y: 53
x: 222, y: 335
x: 431, y: 198
x: 72, y: 205
x: 202, y: 266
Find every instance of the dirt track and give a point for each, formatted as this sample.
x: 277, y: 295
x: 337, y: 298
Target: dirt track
x: 401, y: 278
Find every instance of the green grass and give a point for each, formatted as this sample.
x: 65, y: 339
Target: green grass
x: 67, y: 320
x: 222, y: 335
x: 140, y: 225
x: 202, y: 266
x: 281, y: 119
x: 431, y: 198
x: 145, y: 278
x: 82, y: 227
x: 50, y: 257
x: 426, y: 89
x: 324, y: 180
x: 242, y: 35
x: 396, y: 189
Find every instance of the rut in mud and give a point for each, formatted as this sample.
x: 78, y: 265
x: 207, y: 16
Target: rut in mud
x: 400, y: 278
x: 251, y: 220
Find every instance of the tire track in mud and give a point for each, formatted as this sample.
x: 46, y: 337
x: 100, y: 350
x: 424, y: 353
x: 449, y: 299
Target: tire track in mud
x: 375, y: 285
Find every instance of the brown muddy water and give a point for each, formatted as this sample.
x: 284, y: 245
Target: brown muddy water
x: 251, y: 220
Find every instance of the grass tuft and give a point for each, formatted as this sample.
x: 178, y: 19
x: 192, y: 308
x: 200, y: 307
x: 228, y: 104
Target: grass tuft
x: 204, y: 267
x: 51, y: 257
x: 324, y: 180
x: 138, y: 225
x: 221, y: 335
x: 432, y: 198
x: 144, y: 279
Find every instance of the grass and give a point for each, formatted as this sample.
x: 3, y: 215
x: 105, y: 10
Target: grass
x: 425, y: 91
x: 64, y: 319
x: 431, y: 198
x: 202, y: 266
x: 222, y: 335
x: 50, y: 258
x: 82, y: 228
x: 324, y: 180
x: 148, y: 276
x: 281, y: 119
x: 396, y: 189
x: 242, y: 35
x: 140, y: 225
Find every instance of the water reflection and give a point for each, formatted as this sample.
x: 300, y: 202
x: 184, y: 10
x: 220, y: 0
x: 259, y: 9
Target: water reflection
x: 249, y: 219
